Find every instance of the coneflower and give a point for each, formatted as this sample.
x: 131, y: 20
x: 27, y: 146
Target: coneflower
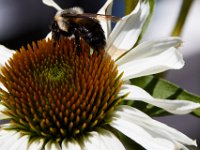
x: 54, y: 97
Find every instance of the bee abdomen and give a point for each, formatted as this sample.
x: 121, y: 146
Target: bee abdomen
x: 94, y: 37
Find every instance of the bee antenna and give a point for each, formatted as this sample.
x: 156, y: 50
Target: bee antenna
x: 53, y: 4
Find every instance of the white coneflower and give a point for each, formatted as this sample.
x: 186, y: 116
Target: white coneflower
x: 56, y: 98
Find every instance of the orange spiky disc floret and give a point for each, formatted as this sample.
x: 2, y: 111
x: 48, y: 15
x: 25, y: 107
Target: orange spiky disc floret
x: 54, y: 91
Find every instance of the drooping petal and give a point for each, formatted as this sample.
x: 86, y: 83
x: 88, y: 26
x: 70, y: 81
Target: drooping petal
x: 52, y: 145
x: 70, y: 145
x: 102, y: 140
x: 150, y: 48
x: 106, y: 24
x: 5, y: 54
x: 36, y: 144
x: 127, y: 30
x: 138, y: 134
x: 149, y: 133
x: 51, y: 3
x: 169, y: 59
x: 172, y: 106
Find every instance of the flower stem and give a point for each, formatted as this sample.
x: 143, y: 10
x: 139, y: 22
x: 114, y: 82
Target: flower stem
x: 186, y: 5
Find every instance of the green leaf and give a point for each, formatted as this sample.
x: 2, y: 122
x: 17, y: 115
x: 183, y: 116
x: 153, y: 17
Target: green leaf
x: 192, y: 148
x: 163, y: 89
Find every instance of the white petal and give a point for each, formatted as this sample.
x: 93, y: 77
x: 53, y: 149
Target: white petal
x: 169, y: 59
x: 8, y: 139
x: 36, y: 144
x: 93, y: 141
x: 140, y: 135
x: 70, y: 145
x: 102, y: 140
x: 5, y: 134
x: 150, y: 48
x: 172, y: 106
x: 150, y: 133
x: 106, y: 10
x: 5, y: 54
x: 126, y: 32
x: 21, y: 144
x: 3, y: 116
x: 3, y: 87
x: 150, y: 123
x: 52, y: 145
x: 49, y: 36
x: 51, y: 3
x: 111, y: 141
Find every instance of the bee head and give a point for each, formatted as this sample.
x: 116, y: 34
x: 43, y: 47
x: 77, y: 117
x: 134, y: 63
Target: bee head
x: 62, y: 19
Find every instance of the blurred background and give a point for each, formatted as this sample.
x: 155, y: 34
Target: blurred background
x: 28, y: 20
x: 164, y: 18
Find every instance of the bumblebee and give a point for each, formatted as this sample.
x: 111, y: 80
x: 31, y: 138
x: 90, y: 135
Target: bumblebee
x: 74, y: 23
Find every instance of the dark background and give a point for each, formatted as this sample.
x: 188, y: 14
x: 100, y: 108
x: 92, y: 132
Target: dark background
x: 24, y: 21
x: 29, y: 20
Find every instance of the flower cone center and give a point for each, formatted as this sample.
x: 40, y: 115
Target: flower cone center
x: 55, y: 91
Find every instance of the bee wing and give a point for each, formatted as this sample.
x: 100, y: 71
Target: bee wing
x: 102, y: 17
x: 93, y: 16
